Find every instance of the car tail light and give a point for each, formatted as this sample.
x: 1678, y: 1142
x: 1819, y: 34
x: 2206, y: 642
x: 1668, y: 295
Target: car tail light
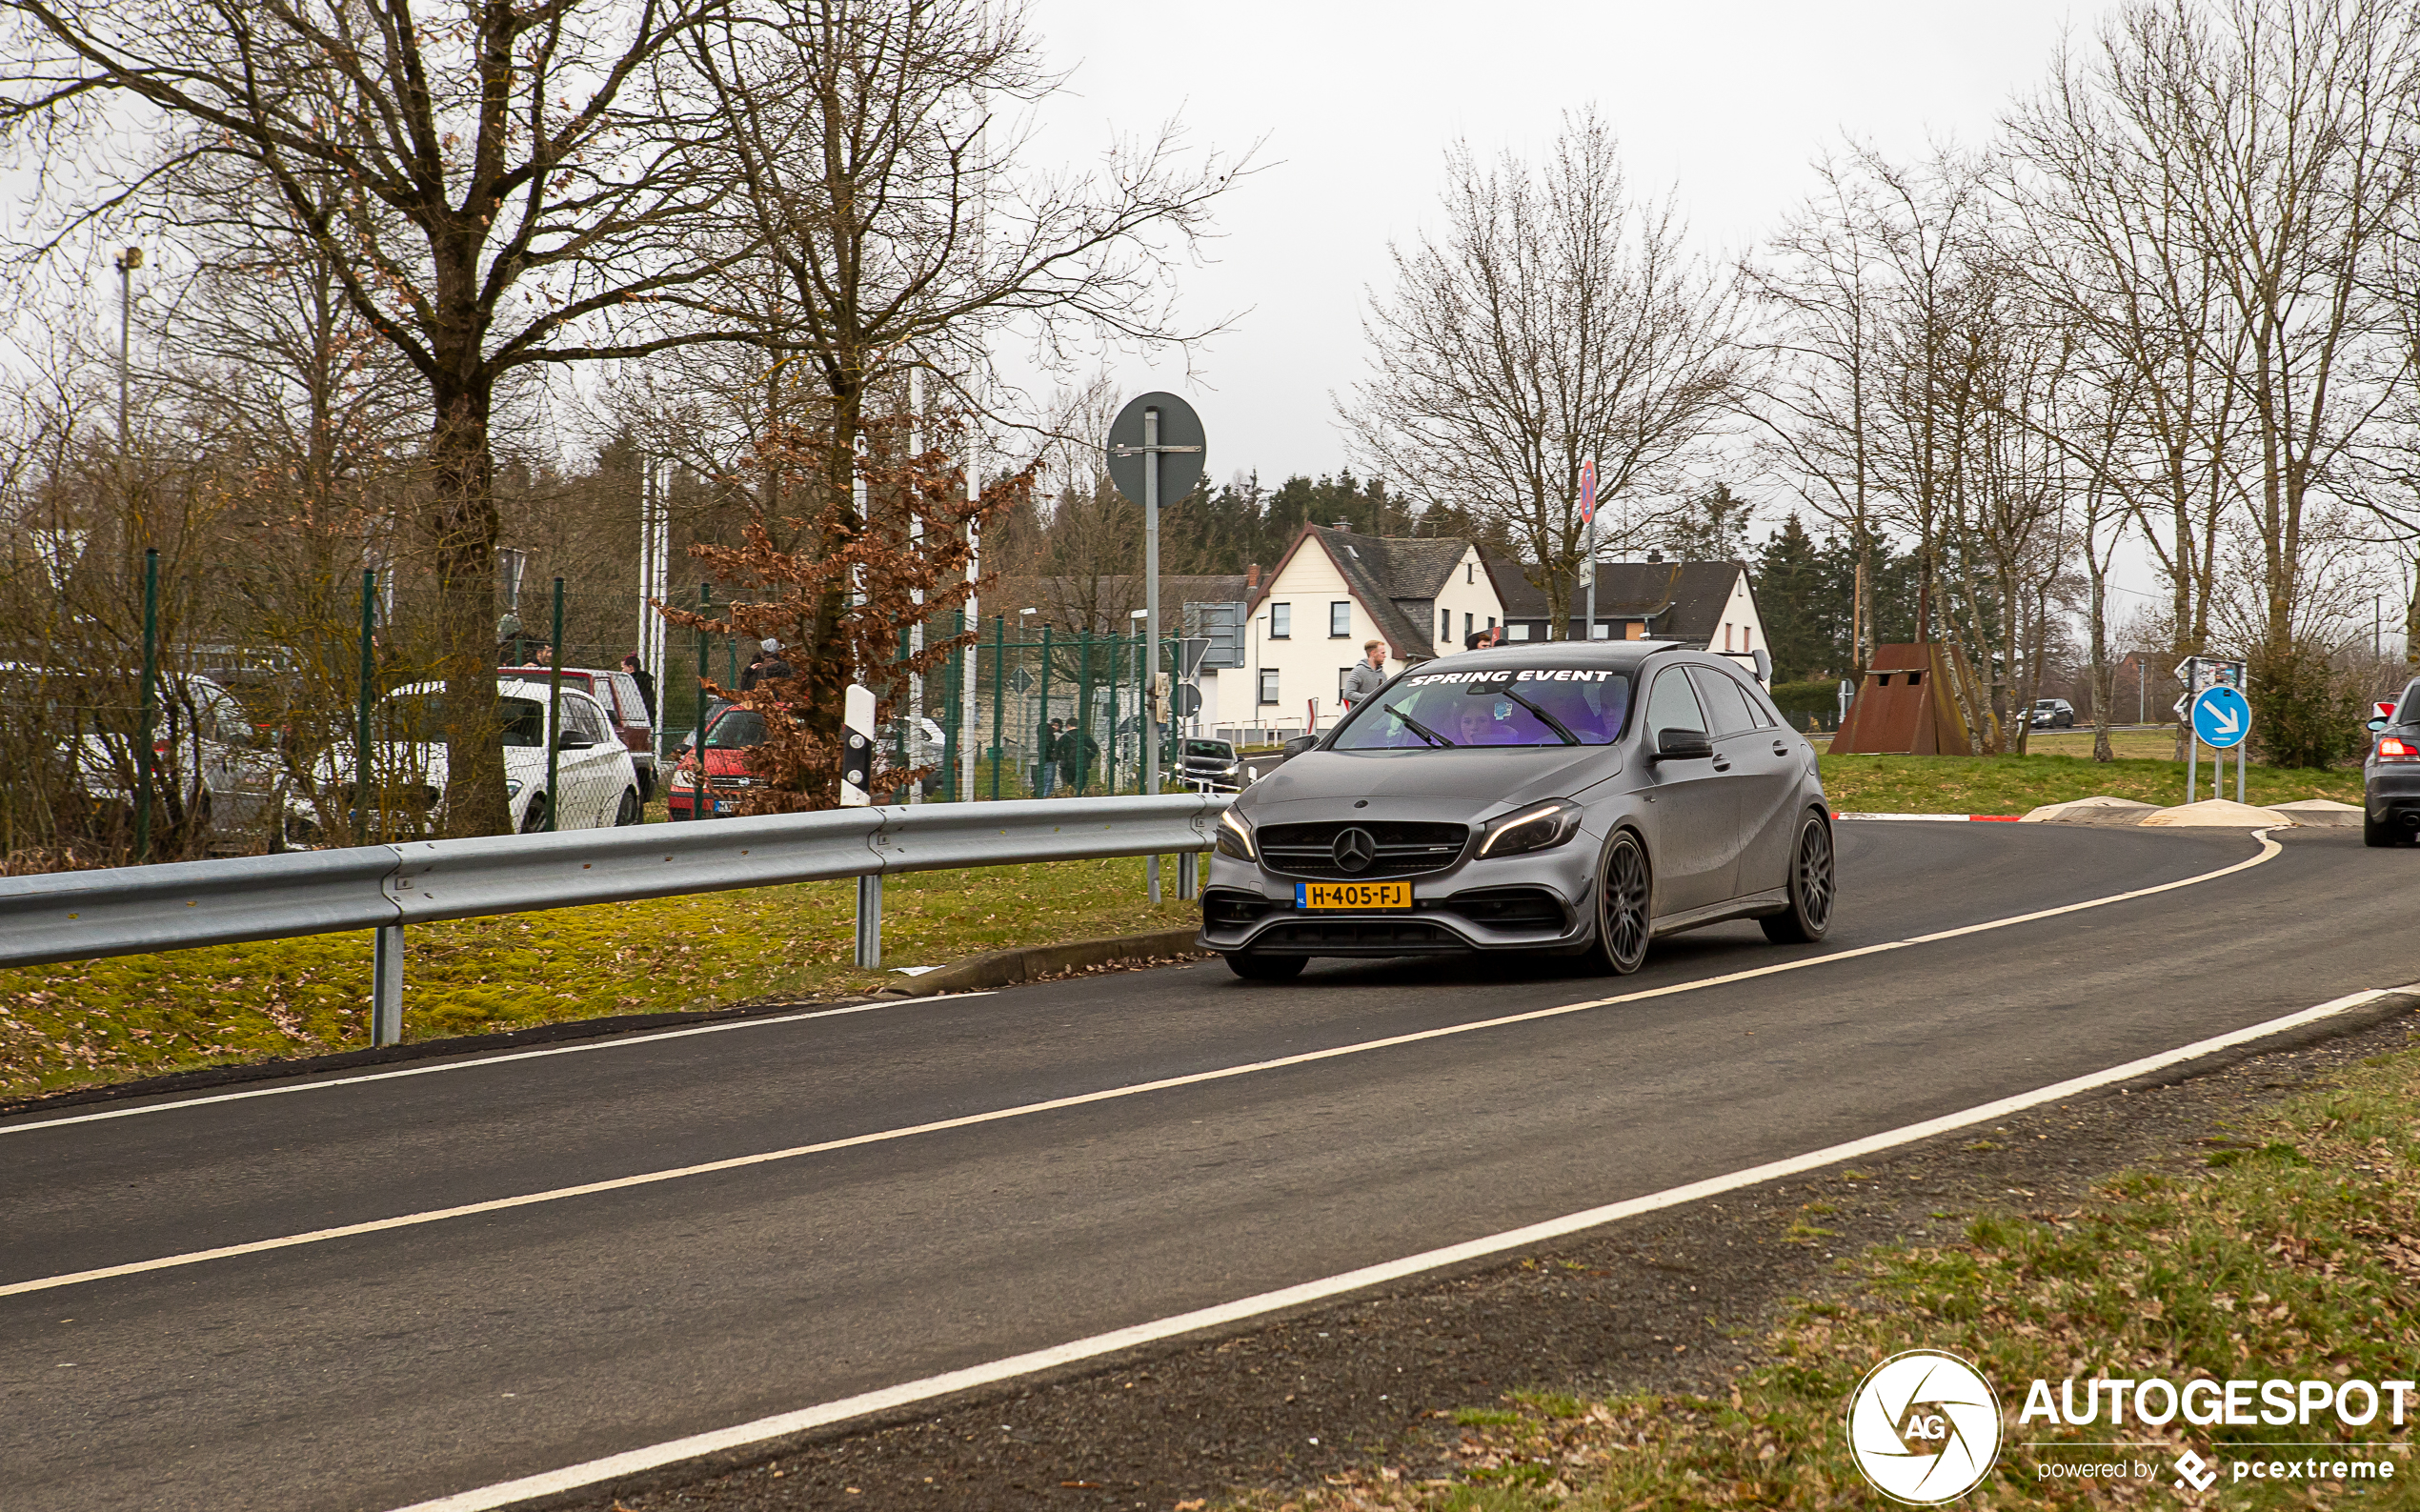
x: 2395, y: 748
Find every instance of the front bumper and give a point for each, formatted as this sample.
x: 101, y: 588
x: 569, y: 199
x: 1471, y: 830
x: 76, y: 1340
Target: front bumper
x: 1534, y: 903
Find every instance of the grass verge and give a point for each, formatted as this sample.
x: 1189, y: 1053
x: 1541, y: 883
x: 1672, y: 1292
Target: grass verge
x: 2291, y: 1254
x: 86, y: 1022
x: 1914, y: 784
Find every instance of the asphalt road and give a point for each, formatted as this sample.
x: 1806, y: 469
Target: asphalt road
x: 382, y: 1369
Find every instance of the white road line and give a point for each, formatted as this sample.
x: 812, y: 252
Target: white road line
x: 478, y: 1061
x: 1137, y: 1089
x: 824, y: 1414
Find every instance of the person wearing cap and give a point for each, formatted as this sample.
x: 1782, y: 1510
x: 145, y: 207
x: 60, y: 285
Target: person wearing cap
x: 1368, y: 675
x: 766, y: 665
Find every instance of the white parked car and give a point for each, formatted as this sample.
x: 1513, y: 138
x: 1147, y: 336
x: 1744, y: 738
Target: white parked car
x: 597, y: 783
x: 205, y: 751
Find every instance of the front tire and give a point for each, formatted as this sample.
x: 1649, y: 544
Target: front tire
x: 1813, y: 889
x: 1624, y: 893
x: 533, y: 818
x: 630, y: 810
x: 1252, y: 966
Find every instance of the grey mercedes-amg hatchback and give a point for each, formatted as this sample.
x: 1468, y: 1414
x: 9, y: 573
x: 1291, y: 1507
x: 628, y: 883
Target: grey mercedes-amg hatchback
x: 1564, y: 797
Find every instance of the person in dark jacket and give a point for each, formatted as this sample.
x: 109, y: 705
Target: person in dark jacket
x: 1046, y: 739
x: 1076, y: 753
x: 646, y: 681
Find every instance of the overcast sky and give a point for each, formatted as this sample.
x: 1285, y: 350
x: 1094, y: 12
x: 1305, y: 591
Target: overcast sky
x: 1725, y: 103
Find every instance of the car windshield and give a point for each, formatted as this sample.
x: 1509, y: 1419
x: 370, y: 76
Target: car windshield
x: 736, y: 729
x: 1217, y: 749
x: 1525, y: 706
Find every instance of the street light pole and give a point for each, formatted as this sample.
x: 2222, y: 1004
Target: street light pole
x: 126, y: 262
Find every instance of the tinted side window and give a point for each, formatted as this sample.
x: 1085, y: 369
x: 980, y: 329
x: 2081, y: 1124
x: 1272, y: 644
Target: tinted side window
x: 1724, y: 701
x: 586, y: 717
x: 1672, y: 706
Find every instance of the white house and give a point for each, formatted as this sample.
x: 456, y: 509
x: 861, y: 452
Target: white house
x: 1334, y: 590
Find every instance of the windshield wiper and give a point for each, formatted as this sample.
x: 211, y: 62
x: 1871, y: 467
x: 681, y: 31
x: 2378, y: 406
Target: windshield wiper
x: 1415, y: 727
x: 1551, y: 722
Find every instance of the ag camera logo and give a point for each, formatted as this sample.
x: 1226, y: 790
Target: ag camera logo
x: 1925, y: 1427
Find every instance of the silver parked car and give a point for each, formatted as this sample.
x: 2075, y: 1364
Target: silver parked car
x: 1567, y: 798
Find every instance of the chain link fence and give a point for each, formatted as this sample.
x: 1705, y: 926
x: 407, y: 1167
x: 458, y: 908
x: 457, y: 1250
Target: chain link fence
x: 148, y: 711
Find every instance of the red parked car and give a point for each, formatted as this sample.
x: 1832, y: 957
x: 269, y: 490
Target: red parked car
x: 732, y: 735
x: 618, y: 692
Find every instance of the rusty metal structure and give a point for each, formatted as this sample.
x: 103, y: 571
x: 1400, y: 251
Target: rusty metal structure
x: 1914, y: 702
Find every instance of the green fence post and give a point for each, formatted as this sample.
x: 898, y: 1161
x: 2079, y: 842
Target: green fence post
x: 148, y: 704
x: 954, y: 731
x: 555, y: 714
x: 361, y: 788
x: 1042, y: 780
x: 1000, y: 695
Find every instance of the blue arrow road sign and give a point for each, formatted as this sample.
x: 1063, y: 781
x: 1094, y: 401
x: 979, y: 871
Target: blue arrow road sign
x: 2221, y: 717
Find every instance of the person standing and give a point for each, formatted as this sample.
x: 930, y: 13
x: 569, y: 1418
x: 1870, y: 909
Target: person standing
x: 1046, y: 739
x: 646, y: 681
x: 1367, y: 676
x: 1076, y: 753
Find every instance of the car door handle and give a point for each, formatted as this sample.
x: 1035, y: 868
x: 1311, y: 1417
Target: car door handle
x: 1780, y: 749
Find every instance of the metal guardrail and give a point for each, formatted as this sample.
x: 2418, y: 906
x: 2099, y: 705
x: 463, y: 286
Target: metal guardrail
x: 128, y: 911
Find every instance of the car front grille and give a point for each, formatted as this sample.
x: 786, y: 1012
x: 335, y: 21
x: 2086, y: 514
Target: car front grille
x: 1404, y: 848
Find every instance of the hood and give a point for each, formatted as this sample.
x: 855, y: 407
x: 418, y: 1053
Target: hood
x: 1480, y: 779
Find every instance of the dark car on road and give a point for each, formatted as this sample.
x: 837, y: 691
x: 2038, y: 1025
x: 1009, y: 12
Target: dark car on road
x: 1211, y: 766
x: 2390, y: 779
x: 2053, y: 714
x: 1565, y: 799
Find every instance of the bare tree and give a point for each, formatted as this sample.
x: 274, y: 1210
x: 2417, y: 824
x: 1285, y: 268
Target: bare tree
x: 1554, y: 320
x: 894, y: 227
x: 493, y: 188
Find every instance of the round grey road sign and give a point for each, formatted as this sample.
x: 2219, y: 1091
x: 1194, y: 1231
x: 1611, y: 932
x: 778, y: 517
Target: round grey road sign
x: 1181, y: 462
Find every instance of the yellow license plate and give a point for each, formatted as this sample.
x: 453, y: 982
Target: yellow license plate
x: 1353, y: 894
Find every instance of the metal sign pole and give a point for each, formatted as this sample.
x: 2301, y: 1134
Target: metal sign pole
x: 2193, y: 758
x: 1151, y: 614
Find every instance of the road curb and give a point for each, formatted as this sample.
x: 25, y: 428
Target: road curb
x: 1007, y: 968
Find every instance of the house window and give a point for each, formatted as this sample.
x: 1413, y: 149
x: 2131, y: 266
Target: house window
x: 1726, y: 637
x: 1517, y: 631
x: 1339, y: 620
x: 1281, y: 621
x: 1469, y: 629
x: 1602, y: 630
x: 1268, y: 685
x: 1470, y: 571
x: 1445, y: 624
x: 1491, y: 621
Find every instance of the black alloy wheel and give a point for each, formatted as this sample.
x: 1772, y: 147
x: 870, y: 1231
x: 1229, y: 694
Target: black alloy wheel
x: 1622, y: 907
x: 1252, y: 966
x: 630, y: 809
x: 1811, y: 889
x: 533, y: 818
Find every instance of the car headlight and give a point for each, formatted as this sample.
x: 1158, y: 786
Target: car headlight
x: 684, y: 779
x: 1235, y: 837
x: 512, y: 787
x: 1229, y: 770
x: 1537, y: 828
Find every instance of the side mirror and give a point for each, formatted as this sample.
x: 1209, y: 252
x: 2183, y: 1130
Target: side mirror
x: 1763, y: 666
x: 2377, y: 724
x: 1298, y: 745
x: 1682, y: 745
x: 572, y: 743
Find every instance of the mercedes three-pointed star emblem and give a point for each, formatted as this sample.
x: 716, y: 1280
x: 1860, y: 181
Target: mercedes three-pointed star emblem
x: 1355, y: 850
